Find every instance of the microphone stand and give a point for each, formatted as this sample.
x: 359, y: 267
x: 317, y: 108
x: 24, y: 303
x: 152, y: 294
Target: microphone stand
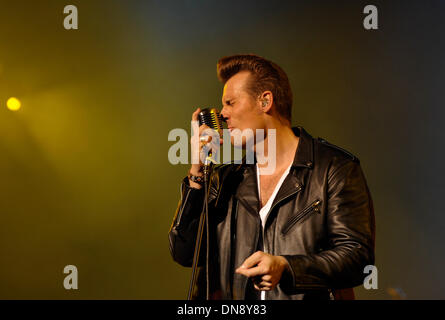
x: 203, y: 221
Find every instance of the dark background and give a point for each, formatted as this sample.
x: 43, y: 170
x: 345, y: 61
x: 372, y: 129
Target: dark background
x: 85, y: 178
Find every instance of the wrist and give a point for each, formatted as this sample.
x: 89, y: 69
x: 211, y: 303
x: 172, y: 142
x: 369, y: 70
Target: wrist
x: 196, y: 170
x: 283, y: 262
x: 196, y: 180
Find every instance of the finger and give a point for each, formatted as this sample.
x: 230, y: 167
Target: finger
x: 205, y: 139
x: 261, y: 288
x: 265, y: 284
x: 195, y: 114
x: 198, y: 129
x: 205, y: 146
x: 253, y: 260
x: 258, y: 280
x: 252, y: 272
x: 212, y: 137
x: 266, y: 277
x: 203, y: 128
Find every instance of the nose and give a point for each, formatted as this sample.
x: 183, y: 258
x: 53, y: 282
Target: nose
x: 224, y: 114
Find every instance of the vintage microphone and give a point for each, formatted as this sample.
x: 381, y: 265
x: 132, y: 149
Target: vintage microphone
x: 213, y: 119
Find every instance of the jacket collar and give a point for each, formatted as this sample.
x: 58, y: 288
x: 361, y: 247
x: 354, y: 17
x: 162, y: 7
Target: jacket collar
x: 304, y: 157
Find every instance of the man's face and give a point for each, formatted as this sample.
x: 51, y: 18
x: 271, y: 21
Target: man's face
x: 241, y: 110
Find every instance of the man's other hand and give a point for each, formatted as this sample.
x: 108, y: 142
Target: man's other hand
x: 264, y: 269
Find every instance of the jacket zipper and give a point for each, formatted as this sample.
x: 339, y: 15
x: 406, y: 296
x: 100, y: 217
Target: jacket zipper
x: 281, y: 200
x: 299, y: 216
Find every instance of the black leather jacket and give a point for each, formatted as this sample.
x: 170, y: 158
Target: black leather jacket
x: 321, y: 221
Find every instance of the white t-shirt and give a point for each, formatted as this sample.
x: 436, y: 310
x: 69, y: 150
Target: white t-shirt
x: 264, y: 212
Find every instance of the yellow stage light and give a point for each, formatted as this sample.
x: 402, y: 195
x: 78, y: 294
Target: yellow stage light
x: 13, y: 104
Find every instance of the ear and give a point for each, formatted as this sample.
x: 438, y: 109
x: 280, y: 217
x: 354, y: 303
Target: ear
x: 266, y: 101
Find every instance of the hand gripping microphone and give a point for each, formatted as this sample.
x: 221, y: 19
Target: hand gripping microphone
x: 213, y: 119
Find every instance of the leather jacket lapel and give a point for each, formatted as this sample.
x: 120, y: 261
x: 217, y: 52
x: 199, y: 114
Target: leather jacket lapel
x: 247, y: 192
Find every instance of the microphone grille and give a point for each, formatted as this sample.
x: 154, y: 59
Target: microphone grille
x: 211, y: 118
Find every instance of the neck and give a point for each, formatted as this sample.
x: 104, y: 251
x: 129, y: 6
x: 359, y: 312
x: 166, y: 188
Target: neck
x: 286, y: 144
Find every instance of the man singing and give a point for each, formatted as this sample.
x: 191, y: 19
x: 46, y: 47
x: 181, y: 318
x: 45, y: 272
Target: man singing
x: 304, y: 231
